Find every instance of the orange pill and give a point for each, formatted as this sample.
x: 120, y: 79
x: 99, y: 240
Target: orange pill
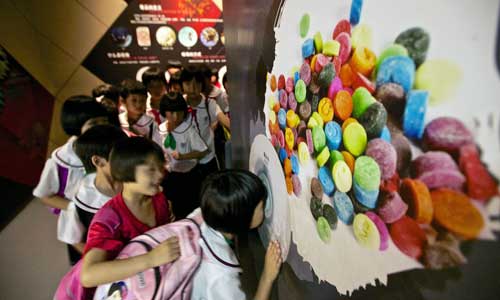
x: 273, y: 83
x: 343, y: 105
x: 363, y: 61
x: 346, y: 75
x: 276, y: 107
x: 347, y: 122
x: 325, y: 109
x: 289, y: 185
x: 416, y: 194
x: 455, y: 212
x: 287, y: 167
x: 349, y: 160
x: 313, y: 63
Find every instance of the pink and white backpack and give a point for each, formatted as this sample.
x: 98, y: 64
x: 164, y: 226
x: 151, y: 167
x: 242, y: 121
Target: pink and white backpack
x: 170, y: 281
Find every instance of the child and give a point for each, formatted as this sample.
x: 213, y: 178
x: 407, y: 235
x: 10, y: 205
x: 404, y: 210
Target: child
x: 97, y: 187
x: 138, y: 163
x: 155, y: 82
x: 207, y: 114
x: 63, y: 170
x: 135, y: 119
x: 174, y: 84
x: 183, y: 147
x: 232, y: 203
x: 109, y: 97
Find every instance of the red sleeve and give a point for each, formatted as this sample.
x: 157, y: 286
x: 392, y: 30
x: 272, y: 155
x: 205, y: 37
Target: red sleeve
x: 104, y: 233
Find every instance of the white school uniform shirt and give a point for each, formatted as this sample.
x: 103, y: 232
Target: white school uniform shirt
x: 145, y: 126
x: 87, y: 198
x: 204, y: 119
x: 187, y: 139
x: 149, y: 109
x: 220, y: 97
x: 218, y: 276
x: 49, y: 185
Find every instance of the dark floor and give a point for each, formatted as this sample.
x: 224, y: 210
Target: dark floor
x: 15, y: 197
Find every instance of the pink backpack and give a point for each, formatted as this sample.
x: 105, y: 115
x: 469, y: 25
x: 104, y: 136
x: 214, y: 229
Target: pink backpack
x: 170, y: 281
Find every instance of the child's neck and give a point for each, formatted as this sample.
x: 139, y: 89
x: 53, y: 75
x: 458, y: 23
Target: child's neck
x: 106, y: 185
x: 195, y: 101
x: 133, y: 198
x: 155, y: 103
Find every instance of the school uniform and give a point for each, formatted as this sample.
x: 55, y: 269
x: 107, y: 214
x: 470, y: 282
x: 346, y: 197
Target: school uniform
x: 88, y: 200
x: 182, y: 183
x: 220, y: 98
x: 60, y: 176
x: 206, y: 113
x: 218, y: 276
x: 145, y: 126
x: 153, y: 112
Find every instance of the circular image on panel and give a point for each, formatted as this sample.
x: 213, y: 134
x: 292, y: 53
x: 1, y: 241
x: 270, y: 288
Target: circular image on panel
x: 165, y: 36
x: 209, y: 37
x: 121, y: 37
x: 222, y: 38
x: 188, y: 36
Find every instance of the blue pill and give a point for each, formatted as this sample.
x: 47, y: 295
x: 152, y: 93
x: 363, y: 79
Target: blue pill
x: 367, y: 198
x: 343, y: 206
x: 282, y: 155
x: 333, y: 133
x: 296, y: 77
x: 308, y: 48
x: 295, y: 164
x: 326, y: 181
x: 282, y: 118
x: 386, y: 135
x: 397, y: 69
x: 355, y: 15
x: 414, y: 115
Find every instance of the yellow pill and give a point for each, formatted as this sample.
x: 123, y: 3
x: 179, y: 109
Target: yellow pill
x: 303, y: 153
x: 323, y: 157
x: 325, y: 109
x: 315, y: 115
x: 272, y: 117
x: 289, y: 138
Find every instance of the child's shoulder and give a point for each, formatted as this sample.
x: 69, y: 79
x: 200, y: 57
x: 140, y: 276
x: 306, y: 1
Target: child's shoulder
x: 66, y: 156
x: 88, y: 197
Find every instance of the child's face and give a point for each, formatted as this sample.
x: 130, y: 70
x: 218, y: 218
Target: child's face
x: 156, y: 88
x: 258, y: 215
x: 191, y: 88
x: 174, y: 117
x: 135, y: 105
x: 148, y: 177
x: 93, y: 122
x: 175, y: 87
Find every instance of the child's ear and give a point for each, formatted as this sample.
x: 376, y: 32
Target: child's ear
x: 98, y: 161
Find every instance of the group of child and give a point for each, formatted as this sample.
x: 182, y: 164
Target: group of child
x: 136, y: 159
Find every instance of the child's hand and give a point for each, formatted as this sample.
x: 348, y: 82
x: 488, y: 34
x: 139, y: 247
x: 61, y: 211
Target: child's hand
x: 165, y: 253
x: 272, y: 261
x: 175, y: 155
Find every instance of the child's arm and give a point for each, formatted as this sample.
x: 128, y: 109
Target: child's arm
x: 56, y: 202
x: 97, y: 269
x: 224, y: 120
x: 191, y: 155
x: 272, y: 266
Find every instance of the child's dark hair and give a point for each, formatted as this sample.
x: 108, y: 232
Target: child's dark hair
x: 98, y: 140
x: 173, y: 102
x: 132, y: 87
x: 175, y: 78
x: 224, y: 79
x: 153, y: 74
x: 229, y: 198
x: 190, y: 72
x: 77, y: 110
x: 127, y: 154
x: 108, y: 91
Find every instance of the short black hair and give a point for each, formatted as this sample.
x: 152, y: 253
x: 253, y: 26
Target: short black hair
x: 109, y: 91
x: 153, y: 74
x: 229, y: 198
x: 98, y: 140
x: 175, y: 78
x: 132, y: 87
x: 173, y: 101
x: 174, y: 64
x: 77, y: 110
x: 127, y: 154
x: 190, y: 72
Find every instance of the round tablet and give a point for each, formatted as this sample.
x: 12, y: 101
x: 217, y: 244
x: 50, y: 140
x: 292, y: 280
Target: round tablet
x: 366, y: 232
x: 355, y: 139
x: 342, y: 176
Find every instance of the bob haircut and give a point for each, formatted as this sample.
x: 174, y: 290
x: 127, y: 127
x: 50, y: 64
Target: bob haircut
x: 173, y: 102
x: 132, y: 87
x: 98, y: 140
x: 190, y: 72
x: 108, y: 91
x: 229, y: 199
x: 127, y: 154
x: 77, y: 110
x: 153, y: 74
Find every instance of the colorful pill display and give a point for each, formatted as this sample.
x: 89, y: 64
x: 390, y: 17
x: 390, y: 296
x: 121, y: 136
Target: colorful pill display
x: 351, y: 116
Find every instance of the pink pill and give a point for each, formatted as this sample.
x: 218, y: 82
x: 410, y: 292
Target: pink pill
x: 290, y: 85
x: 321, y: 61
x: 305, y: 73
x: 385, y: 156
x: 334, y: 88
x: 283, y: 99
x: 382, y: 230
x: 292, y: 102
x: 309, y: 140
x: 345, y: 46
x: 391, y: 207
